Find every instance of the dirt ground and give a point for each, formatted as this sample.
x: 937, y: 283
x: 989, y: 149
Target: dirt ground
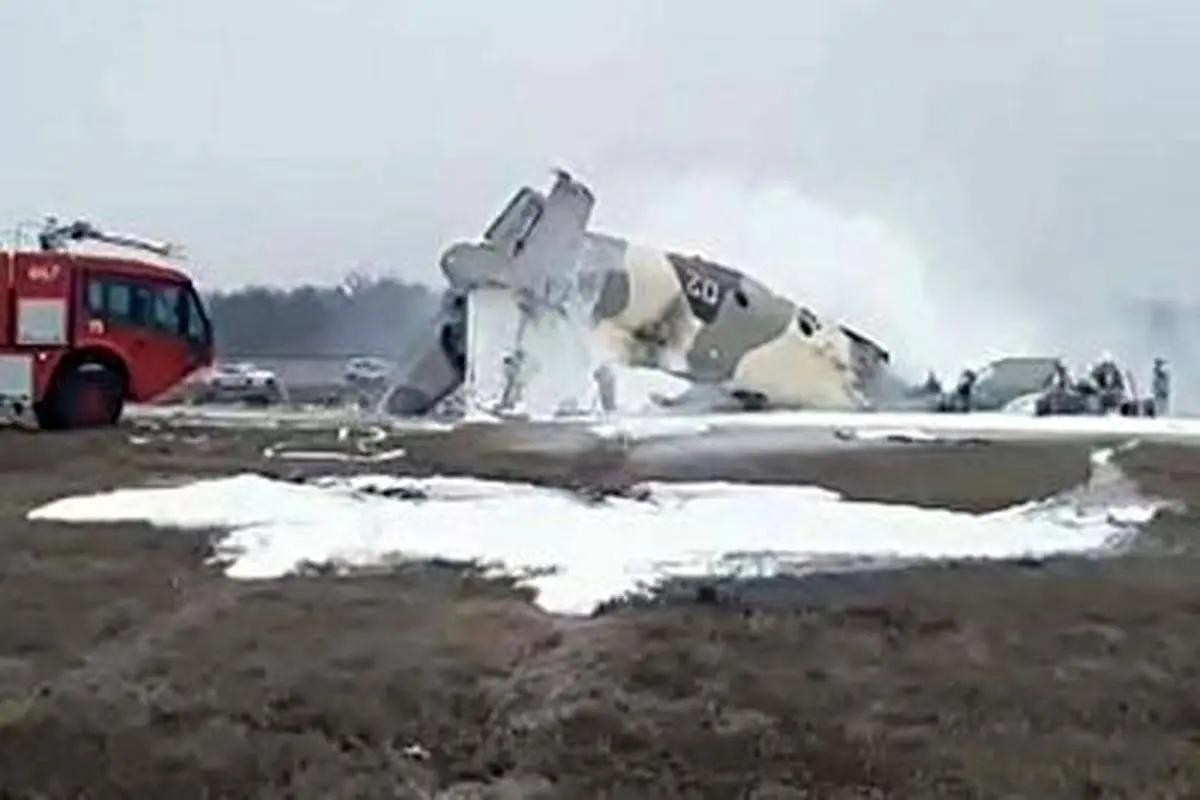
x: 129, y: 669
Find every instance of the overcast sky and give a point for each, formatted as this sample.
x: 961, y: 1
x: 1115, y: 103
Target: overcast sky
x: 1024, y: 146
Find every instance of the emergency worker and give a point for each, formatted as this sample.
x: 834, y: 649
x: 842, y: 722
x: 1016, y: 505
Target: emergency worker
x: 606, y: 383
x: 1061, y: 379
x: 1110, y: 384
x: 964, y: 390
x: 1161, y: 386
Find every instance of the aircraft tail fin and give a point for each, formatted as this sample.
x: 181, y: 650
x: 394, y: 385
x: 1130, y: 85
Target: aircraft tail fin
x: 531, y: 247
x: 521, y: 285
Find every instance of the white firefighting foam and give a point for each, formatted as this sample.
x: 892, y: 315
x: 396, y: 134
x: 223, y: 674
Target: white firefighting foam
x: 600, y: 550
x: 559, y: 360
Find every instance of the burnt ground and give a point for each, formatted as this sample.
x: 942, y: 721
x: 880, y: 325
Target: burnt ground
x: 128, y: 668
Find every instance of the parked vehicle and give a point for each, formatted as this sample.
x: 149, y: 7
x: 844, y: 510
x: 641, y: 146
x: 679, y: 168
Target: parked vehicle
x: 365, y: 372
x: 240, y: 381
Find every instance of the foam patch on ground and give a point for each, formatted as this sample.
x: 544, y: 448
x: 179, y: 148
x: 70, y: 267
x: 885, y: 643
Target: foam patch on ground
x: 596, y: 549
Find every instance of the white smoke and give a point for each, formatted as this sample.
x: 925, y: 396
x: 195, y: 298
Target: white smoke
x: 853, y: 268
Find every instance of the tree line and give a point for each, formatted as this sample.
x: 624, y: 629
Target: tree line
x: 363, y: 315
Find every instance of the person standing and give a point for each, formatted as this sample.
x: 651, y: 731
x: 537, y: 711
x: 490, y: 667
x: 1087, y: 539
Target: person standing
x: 1161, y: 387
x: 1110, y: 385
x: 965, y: 389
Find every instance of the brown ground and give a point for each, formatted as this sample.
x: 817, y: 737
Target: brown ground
x: 128, y: 669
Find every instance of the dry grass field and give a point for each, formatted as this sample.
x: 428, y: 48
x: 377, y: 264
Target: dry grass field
x: 129, y: 668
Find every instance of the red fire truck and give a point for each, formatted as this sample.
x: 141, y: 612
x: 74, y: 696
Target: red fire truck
x: 82, y: 332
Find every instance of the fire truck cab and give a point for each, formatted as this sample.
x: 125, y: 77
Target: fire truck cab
x: 84, y: 331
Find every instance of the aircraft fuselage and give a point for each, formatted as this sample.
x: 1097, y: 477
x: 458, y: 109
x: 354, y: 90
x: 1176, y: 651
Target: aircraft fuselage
x: 684, y: 314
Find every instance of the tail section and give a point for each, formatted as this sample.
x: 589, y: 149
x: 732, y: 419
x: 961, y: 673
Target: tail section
x: 527, y: 327
x: 532, y: 248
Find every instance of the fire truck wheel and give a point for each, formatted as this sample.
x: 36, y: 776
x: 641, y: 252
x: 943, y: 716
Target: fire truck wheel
x: 87, y: 395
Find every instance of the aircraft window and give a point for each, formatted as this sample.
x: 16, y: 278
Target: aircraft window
x: 807, y: 322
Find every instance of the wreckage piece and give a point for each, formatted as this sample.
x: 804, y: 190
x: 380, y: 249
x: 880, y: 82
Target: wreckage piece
x: 1030, y: 385
x: 531, y: 248
x: 434, y: 366
x: 527, y: 323
x: 540, y: 302
x: 513, y: 300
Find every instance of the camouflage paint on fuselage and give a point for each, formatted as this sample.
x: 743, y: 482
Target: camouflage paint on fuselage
x: 715, y: 324
x: 739, y: 316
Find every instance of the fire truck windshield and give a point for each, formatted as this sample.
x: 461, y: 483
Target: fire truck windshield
x: 170, y: 308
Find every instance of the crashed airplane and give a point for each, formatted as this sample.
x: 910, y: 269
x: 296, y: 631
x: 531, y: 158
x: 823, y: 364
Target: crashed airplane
x: 539, y: 309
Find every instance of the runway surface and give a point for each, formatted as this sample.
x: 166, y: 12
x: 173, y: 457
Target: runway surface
x: 703, y: 434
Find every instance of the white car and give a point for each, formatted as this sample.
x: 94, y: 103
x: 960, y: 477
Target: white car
x: 235, y: 376
x: 240, y: 382
x: 366, y: 371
